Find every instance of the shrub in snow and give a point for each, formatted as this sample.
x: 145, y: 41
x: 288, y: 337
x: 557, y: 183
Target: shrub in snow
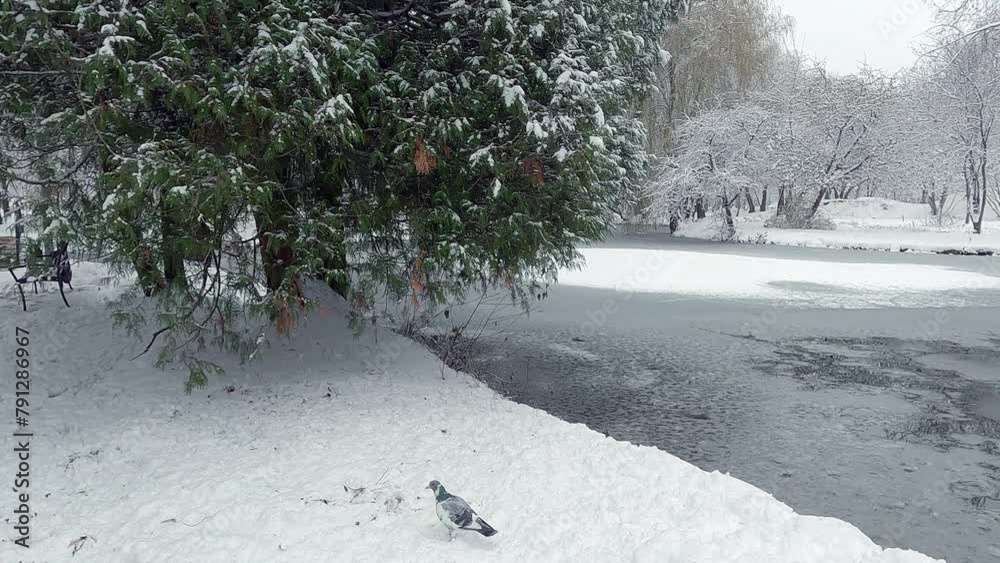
x: 797, y: 213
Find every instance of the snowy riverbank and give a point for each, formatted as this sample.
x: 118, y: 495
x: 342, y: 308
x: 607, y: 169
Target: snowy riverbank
x: 864, y: 223
x: 320, y: 452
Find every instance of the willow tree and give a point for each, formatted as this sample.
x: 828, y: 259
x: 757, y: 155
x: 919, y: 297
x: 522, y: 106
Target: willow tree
x: 718, y: 50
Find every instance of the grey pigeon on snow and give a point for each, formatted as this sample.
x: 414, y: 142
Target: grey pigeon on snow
x: 456, y: 514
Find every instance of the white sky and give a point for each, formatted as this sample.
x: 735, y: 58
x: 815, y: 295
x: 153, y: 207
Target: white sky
x: 847, y: 32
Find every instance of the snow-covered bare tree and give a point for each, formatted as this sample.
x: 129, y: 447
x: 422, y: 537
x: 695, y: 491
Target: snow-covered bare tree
x: 835, y: 120
x: 963, y: 20
x: 921, y: 164
x: 719, y: 158
x: 964, y: 71
x: 812, y: 135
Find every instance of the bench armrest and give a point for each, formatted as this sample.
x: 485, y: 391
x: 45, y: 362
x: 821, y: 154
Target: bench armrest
x: 18, y: 267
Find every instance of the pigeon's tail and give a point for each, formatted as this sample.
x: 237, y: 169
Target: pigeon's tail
x: 484, y: 528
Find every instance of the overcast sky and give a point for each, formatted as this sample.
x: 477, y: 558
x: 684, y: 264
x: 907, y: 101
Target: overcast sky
x: 847, y: 32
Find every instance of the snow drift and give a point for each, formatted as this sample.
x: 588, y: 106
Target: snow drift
x: 321, y: 451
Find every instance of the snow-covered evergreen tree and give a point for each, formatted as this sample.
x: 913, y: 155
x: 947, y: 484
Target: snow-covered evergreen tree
x: 223, y: 150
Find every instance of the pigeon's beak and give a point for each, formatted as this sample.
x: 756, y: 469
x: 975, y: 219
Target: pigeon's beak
x: 429, y: 487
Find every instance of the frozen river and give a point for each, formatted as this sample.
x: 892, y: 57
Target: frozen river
x: 863, y: 386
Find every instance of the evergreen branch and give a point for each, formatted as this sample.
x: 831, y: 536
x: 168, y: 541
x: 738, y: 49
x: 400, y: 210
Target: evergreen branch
x: 38, y: 72
x: 392, y: 14
x: 152, y: 341
x: 67, y: 176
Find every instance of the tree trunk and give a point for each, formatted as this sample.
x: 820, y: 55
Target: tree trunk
x: 275, y: 255
x: 981, y: 186
x: 727, y: 211
x: 671, y: 102
x: 150, y: 278
x: 968, y: 190
x: 763, y: 199
x: 984, y: 185
x: 672, y: 81
x: 699, y: 208
x: 173, y: 255
x: 819, y: 201
x: 980, y: 210
x: 932, y: 200
x: 751, y: 206
x: 18, y: 235
x: 782, y: 200
x: 276, y: 227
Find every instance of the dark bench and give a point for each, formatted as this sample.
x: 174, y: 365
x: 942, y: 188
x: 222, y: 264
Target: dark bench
x: 60, y: 273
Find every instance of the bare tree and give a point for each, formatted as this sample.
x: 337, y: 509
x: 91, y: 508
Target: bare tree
x: 718, y: 158
x: 964, y: 66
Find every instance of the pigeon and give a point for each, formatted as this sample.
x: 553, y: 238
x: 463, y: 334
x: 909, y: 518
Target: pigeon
x: 456, y: 514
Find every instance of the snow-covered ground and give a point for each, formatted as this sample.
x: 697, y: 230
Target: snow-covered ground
x: 321, y: 450
x: 864, y: 223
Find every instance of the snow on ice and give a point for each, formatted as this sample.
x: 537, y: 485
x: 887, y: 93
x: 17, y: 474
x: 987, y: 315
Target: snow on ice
x: 811, y: 283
